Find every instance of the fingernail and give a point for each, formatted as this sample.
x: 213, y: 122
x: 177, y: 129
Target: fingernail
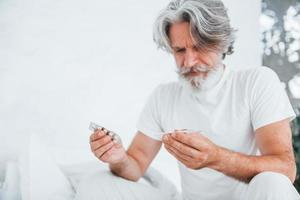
x: 166, y: 138
x: 115, y: 141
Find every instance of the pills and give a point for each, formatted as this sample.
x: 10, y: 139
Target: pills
x: 115, y: 137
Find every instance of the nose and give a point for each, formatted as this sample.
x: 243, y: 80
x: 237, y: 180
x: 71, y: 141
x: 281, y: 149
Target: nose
x: 190, y: 58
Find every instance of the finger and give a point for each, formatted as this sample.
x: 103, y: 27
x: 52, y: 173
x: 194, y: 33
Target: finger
x: 165, y: 137
x: 99, y: 152
x: 175, y: 152
x: 105, y: 157
x: 195, y: 140
x: 117, y: 145
x: 108, y: 155
x: 180, y: 130
x: 183, y: 148
x: 189, y: 163
x: 97, y: 135
x: 198, y: 156
x: 180, y: 159
x: 100, y: 142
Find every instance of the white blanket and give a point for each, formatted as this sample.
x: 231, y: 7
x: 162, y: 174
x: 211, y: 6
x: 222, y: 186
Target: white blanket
x: 49, y: 180
x: 103, y: 185
x: 10, y: 187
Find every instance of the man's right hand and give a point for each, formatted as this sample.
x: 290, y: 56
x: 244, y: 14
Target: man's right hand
x: 105, y: 149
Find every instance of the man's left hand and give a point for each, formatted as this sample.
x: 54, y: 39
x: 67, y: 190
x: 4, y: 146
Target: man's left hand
x: 194, y: 150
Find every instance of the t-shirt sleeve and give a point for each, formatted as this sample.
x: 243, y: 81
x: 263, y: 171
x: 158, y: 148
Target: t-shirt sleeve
x: 269, y: 102
x: 149, y: 122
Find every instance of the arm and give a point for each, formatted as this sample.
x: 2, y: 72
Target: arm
x: 139, y: 155
x: 274, y: 141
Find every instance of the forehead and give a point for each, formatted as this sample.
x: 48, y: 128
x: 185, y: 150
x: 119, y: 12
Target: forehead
x: 180, y: 36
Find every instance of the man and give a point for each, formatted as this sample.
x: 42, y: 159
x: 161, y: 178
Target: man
x: 229, y: 130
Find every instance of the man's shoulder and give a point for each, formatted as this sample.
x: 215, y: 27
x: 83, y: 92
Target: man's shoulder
x: 252, y: 80
x: 255, y: 74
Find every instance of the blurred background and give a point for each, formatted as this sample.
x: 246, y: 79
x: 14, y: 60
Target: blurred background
x: 66, y: 63
x: 280, y: 24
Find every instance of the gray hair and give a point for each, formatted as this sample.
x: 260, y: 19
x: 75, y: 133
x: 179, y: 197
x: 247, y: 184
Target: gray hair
x: 209, y: 24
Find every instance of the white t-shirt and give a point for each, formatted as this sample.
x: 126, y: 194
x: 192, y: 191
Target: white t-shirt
x: 228, y: 115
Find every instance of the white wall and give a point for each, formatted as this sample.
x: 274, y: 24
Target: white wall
x: 66, y: 63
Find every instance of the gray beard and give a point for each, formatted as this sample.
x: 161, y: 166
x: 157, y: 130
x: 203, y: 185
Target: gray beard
x: 200, y: 84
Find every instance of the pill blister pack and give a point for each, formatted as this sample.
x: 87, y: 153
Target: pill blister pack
x: 188, y: 131
x: 115, y: 137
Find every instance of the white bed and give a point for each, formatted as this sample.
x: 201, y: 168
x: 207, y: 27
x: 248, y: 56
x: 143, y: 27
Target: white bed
x: 49, y: 180
x: 9, y: 181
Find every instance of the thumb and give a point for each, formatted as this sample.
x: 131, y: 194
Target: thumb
x: 118, y: 145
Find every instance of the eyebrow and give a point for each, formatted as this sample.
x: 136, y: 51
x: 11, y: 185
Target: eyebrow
x: 175, y: 47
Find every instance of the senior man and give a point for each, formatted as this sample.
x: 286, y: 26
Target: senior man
x: 229, y: 130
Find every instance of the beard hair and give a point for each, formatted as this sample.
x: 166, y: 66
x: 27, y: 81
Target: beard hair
x: 199, y: 83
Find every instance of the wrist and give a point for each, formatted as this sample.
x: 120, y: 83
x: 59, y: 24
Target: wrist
x: 217, y: 158
x: 121, y: 162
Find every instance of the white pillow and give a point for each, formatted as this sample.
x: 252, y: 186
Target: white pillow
x: 10, y: 188
x: 102, y: 184
x: 47, y: 181
x: 76, y: 172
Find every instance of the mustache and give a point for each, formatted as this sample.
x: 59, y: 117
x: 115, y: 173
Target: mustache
x: 183, y: 71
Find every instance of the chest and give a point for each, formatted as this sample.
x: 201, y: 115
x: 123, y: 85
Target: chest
x: 226, y: 121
